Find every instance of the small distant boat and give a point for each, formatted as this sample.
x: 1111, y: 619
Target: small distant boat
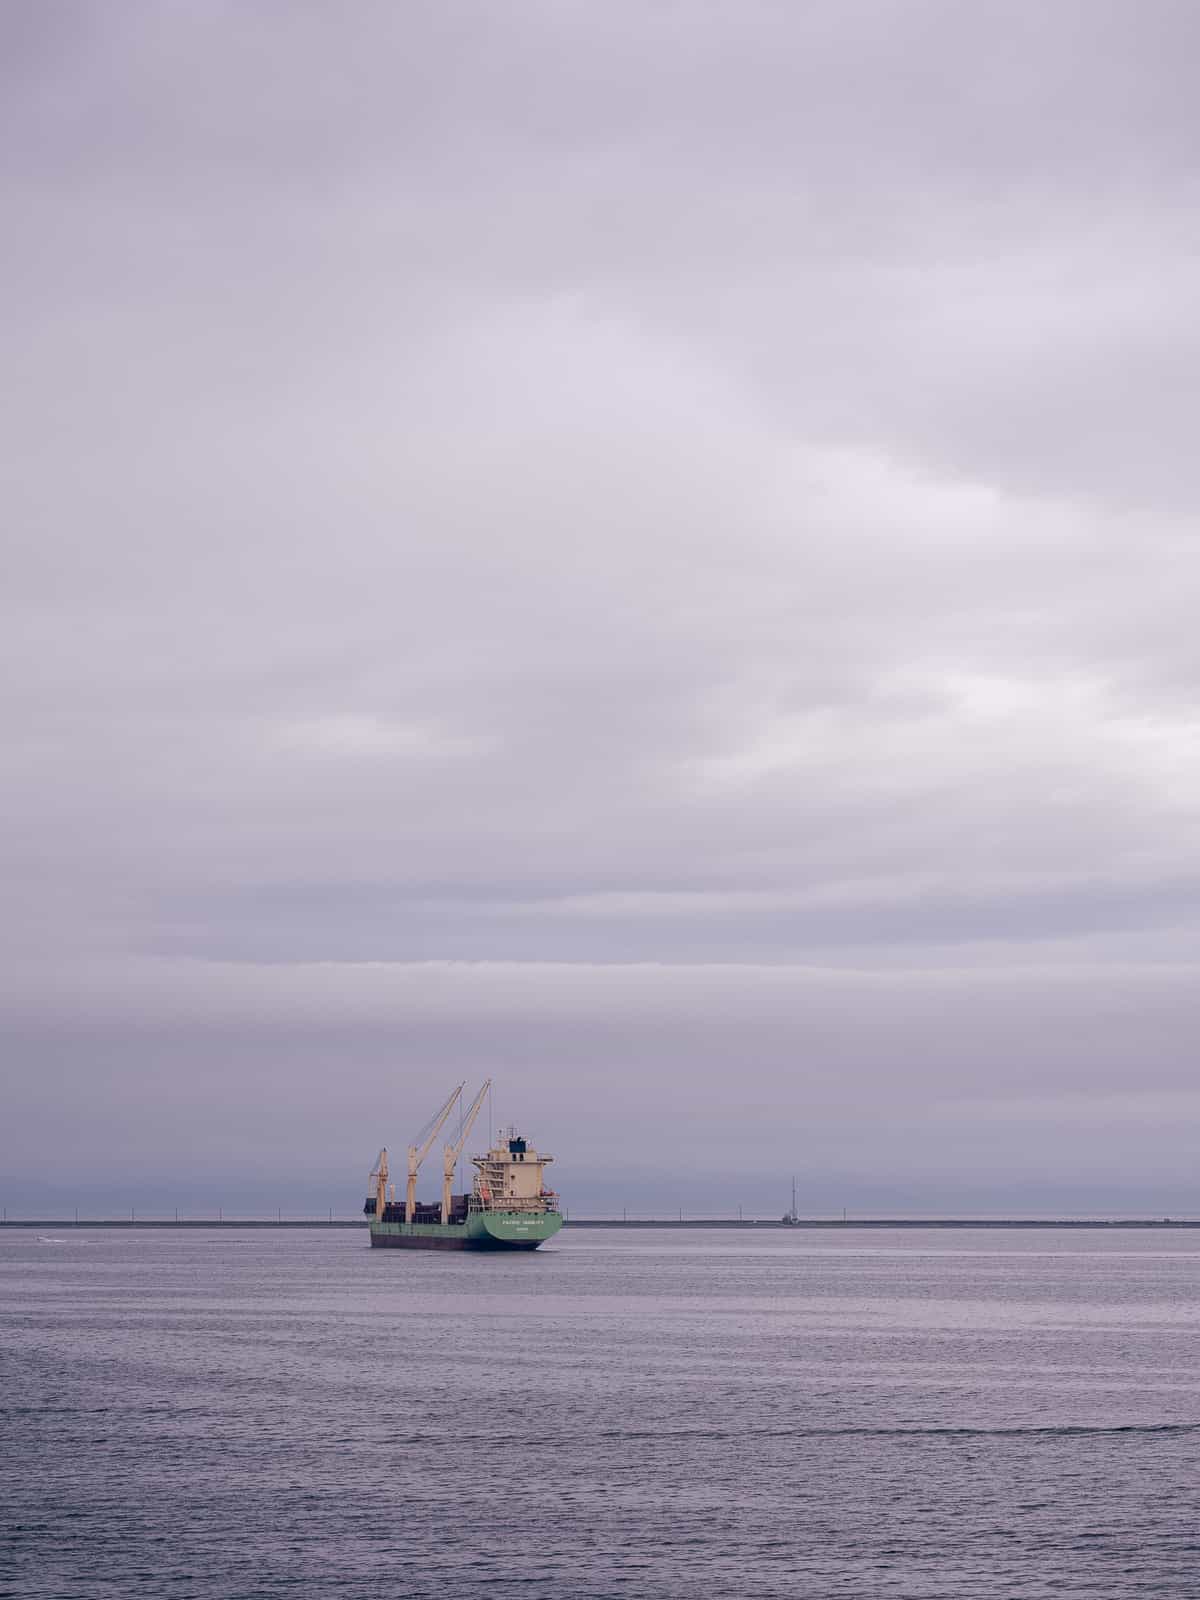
x: 509, y: 1206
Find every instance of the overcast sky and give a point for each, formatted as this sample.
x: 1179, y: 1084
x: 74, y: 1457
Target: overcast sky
x: 645, y: 550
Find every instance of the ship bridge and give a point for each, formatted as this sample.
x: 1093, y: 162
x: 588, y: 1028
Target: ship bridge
x: 512, y: 1176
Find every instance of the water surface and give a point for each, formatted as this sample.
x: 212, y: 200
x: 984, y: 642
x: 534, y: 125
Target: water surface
x: 216, y: 1414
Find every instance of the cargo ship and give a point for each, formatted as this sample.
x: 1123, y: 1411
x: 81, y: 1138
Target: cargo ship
x: 509, y: 1207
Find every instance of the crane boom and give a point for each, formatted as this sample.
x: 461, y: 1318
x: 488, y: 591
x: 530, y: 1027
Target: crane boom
x: 415, y: 1156
x: 453, y: 1151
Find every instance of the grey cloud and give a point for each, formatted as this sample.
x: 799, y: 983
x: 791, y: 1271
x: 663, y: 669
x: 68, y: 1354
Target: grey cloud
x: 687, y: 488
x: 460, y: 922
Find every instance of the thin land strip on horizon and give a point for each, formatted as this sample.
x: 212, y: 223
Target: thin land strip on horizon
x: 758, y: 1223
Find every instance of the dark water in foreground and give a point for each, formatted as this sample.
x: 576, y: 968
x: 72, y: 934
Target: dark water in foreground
x: 646, y: 1415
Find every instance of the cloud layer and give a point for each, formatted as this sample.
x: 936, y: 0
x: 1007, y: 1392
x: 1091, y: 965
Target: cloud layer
x: 649, y: 552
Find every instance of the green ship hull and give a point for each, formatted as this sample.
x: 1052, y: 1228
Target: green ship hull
x: 483, y: 1230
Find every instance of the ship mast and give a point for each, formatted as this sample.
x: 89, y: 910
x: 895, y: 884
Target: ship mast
x: 416, y: 1156
x: 453, y: 1151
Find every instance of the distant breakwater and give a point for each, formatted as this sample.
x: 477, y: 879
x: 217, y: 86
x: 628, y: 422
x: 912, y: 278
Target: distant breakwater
x: 825, y: 1224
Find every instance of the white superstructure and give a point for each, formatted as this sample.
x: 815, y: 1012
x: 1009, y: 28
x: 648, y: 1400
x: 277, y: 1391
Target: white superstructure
x: 512, y: 1176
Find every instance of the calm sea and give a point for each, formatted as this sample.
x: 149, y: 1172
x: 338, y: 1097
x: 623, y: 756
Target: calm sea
x: 911, y: 1413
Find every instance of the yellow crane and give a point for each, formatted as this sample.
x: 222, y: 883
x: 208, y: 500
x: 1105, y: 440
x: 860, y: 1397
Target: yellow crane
x: 452, y: 1151
x: 378, y: 1181
x: 416, y: 1156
